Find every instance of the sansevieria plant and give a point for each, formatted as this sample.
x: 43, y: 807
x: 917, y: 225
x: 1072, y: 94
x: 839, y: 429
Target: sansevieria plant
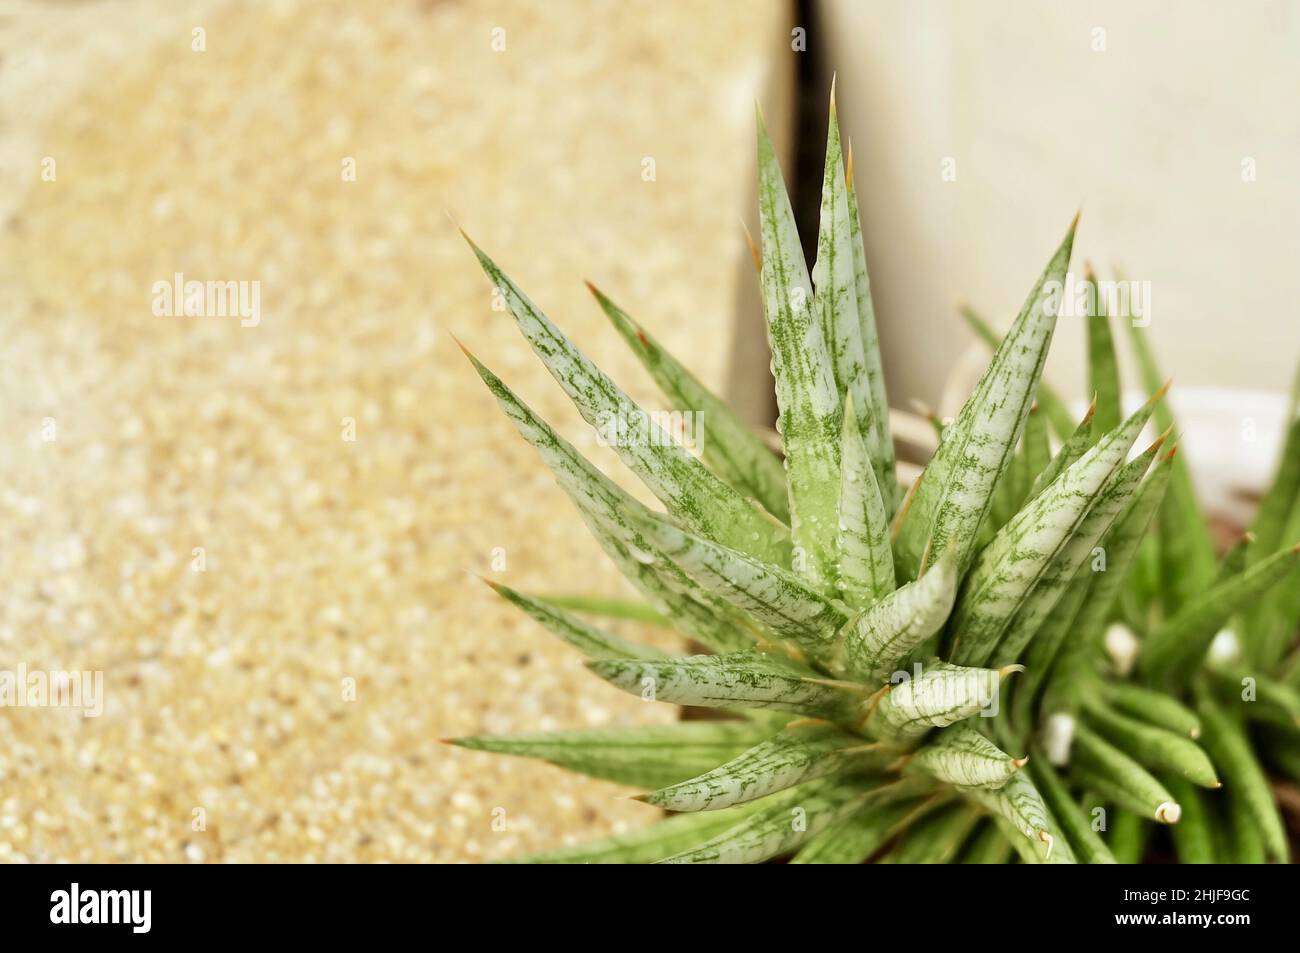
x: 1175, y: 643
x: 860, y: 639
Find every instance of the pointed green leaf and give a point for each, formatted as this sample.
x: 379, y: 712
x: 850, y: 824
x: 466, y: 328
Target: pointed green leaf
x: 787, y: 820
x: 730, y: 447
x: 1175, y: 650
x: 737, y: 680
x: 1193, y: 837
x: 937, y: 838
x: 866, y: 560
x: 683, y: 483
x: 1103, y: 366
x: 1086, y: 843
x: 1153, y: 707
x: 611, y: 607
x: 649, y: 844
x: 1056, y: 409
x: 875, y: 642
x: 1187, y: 553
x: 961, y: 755
x: 806, y: 393
x: 587, y: 639
x: 1077, y: 554
x: 1010, y: 566
x: 957, y: 485
x: 642, y: 756
x: 800, y: 753
x: 606, y: 509
x: 773, y: 596
x: 1076, y: 444
x: 1019, y: 804
x: 858, y: 835
x: 1226, y: 740
x: 1234, y: 560
x: 1162, y: 751
x: 941, y: 695
x: 882, y: 449
x: 1112, y: 773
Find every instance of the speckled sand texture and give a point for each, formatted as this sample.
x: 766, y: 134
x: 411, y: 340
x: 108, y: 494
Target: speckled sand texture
x: 329, y: 560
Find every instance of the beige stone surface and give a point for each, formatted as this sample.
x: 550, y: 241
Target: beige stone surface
x: 329, y: 560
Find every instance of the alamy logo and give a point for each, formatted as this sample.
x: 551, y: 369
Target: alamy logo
x: 36, y: 688
x: 209, y: 299
x: 103, y: 906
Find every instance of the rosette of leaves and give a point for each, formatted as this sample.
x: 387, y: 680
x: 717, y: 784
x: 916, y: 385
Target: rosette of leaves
x: 857, y: 636
x: 1169, y: 669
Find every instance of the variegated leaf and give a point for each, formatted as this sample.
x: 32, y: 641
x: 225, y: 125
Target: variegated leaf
x: 856, y: 836
x: 806, y: 394
x: 737, y: 680
x: 941, y: 695
x: 961, y: 755
x: 647, y: 845
x: 1103, y: 366
x: 1009, y: 567
x: 1075, y: 445
x: 787, y: 820
x: 882, y: 449
x: 1073, y: 556
x: 587, y: 639
x: 730, y: 447
x: 606, y: 508
x: 773, y: 596
x: 957, y: 485
x: 642, y: 756
x: 1058, y: 413
x: 800, y: 753
x: 1019, y: 804
x: 866, y: 560
x: 688, y: 488
x: 874, y: 643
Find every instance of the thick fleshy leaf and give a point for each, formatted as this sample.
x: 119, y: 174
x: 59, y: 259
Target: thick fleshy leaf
x: 882, y: 450
x: 731, y: 448
x: 835, y: 278
x: 1077, y: 553
x: 642, y: 756
x: 1229, y: 745
x: 1010, y: 566
x: 1103, y: 366
x: 875, y: 642
x: 1101, y: 767
x: 587, y: 639
x: 773, y: 596
x: 1077, y: 827
x: 737, y: 680
x: 606, y: 508
x: 806, y: 393
x: 1175, y: 650
x: 858, y: 835
x: 1186, y: 551
x: 610, y: 607
x: 684, y: 484
x: 1056, y: 409
x: 937, y: 838
x: 1078, y: 643
x: 1234, y: 560
x: 800, y: 753
x: 1157, y: 749
x: 647, y: 845
x: 787, y: 820
x: 961, y: 755
x: 1041, y: 658
x: 957, y: 485
x: 1193, y: 835
x: 941, y: 695
x: 1153, y: 707
x: 866, y: 560
x: 1076, y: 445
x: 1019, y: 804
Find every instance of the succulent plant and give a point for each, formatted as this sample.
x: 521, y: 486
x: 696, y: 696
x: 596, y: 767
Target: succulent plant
x: 1183, y: 644
x: 859, y: 640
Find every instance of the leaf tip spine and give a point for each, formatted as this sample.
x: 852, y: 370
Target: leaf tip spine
x: 1168, y: 812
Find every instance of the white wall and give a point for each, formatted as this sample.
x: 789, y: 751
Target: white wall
x: 1147, y: 136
